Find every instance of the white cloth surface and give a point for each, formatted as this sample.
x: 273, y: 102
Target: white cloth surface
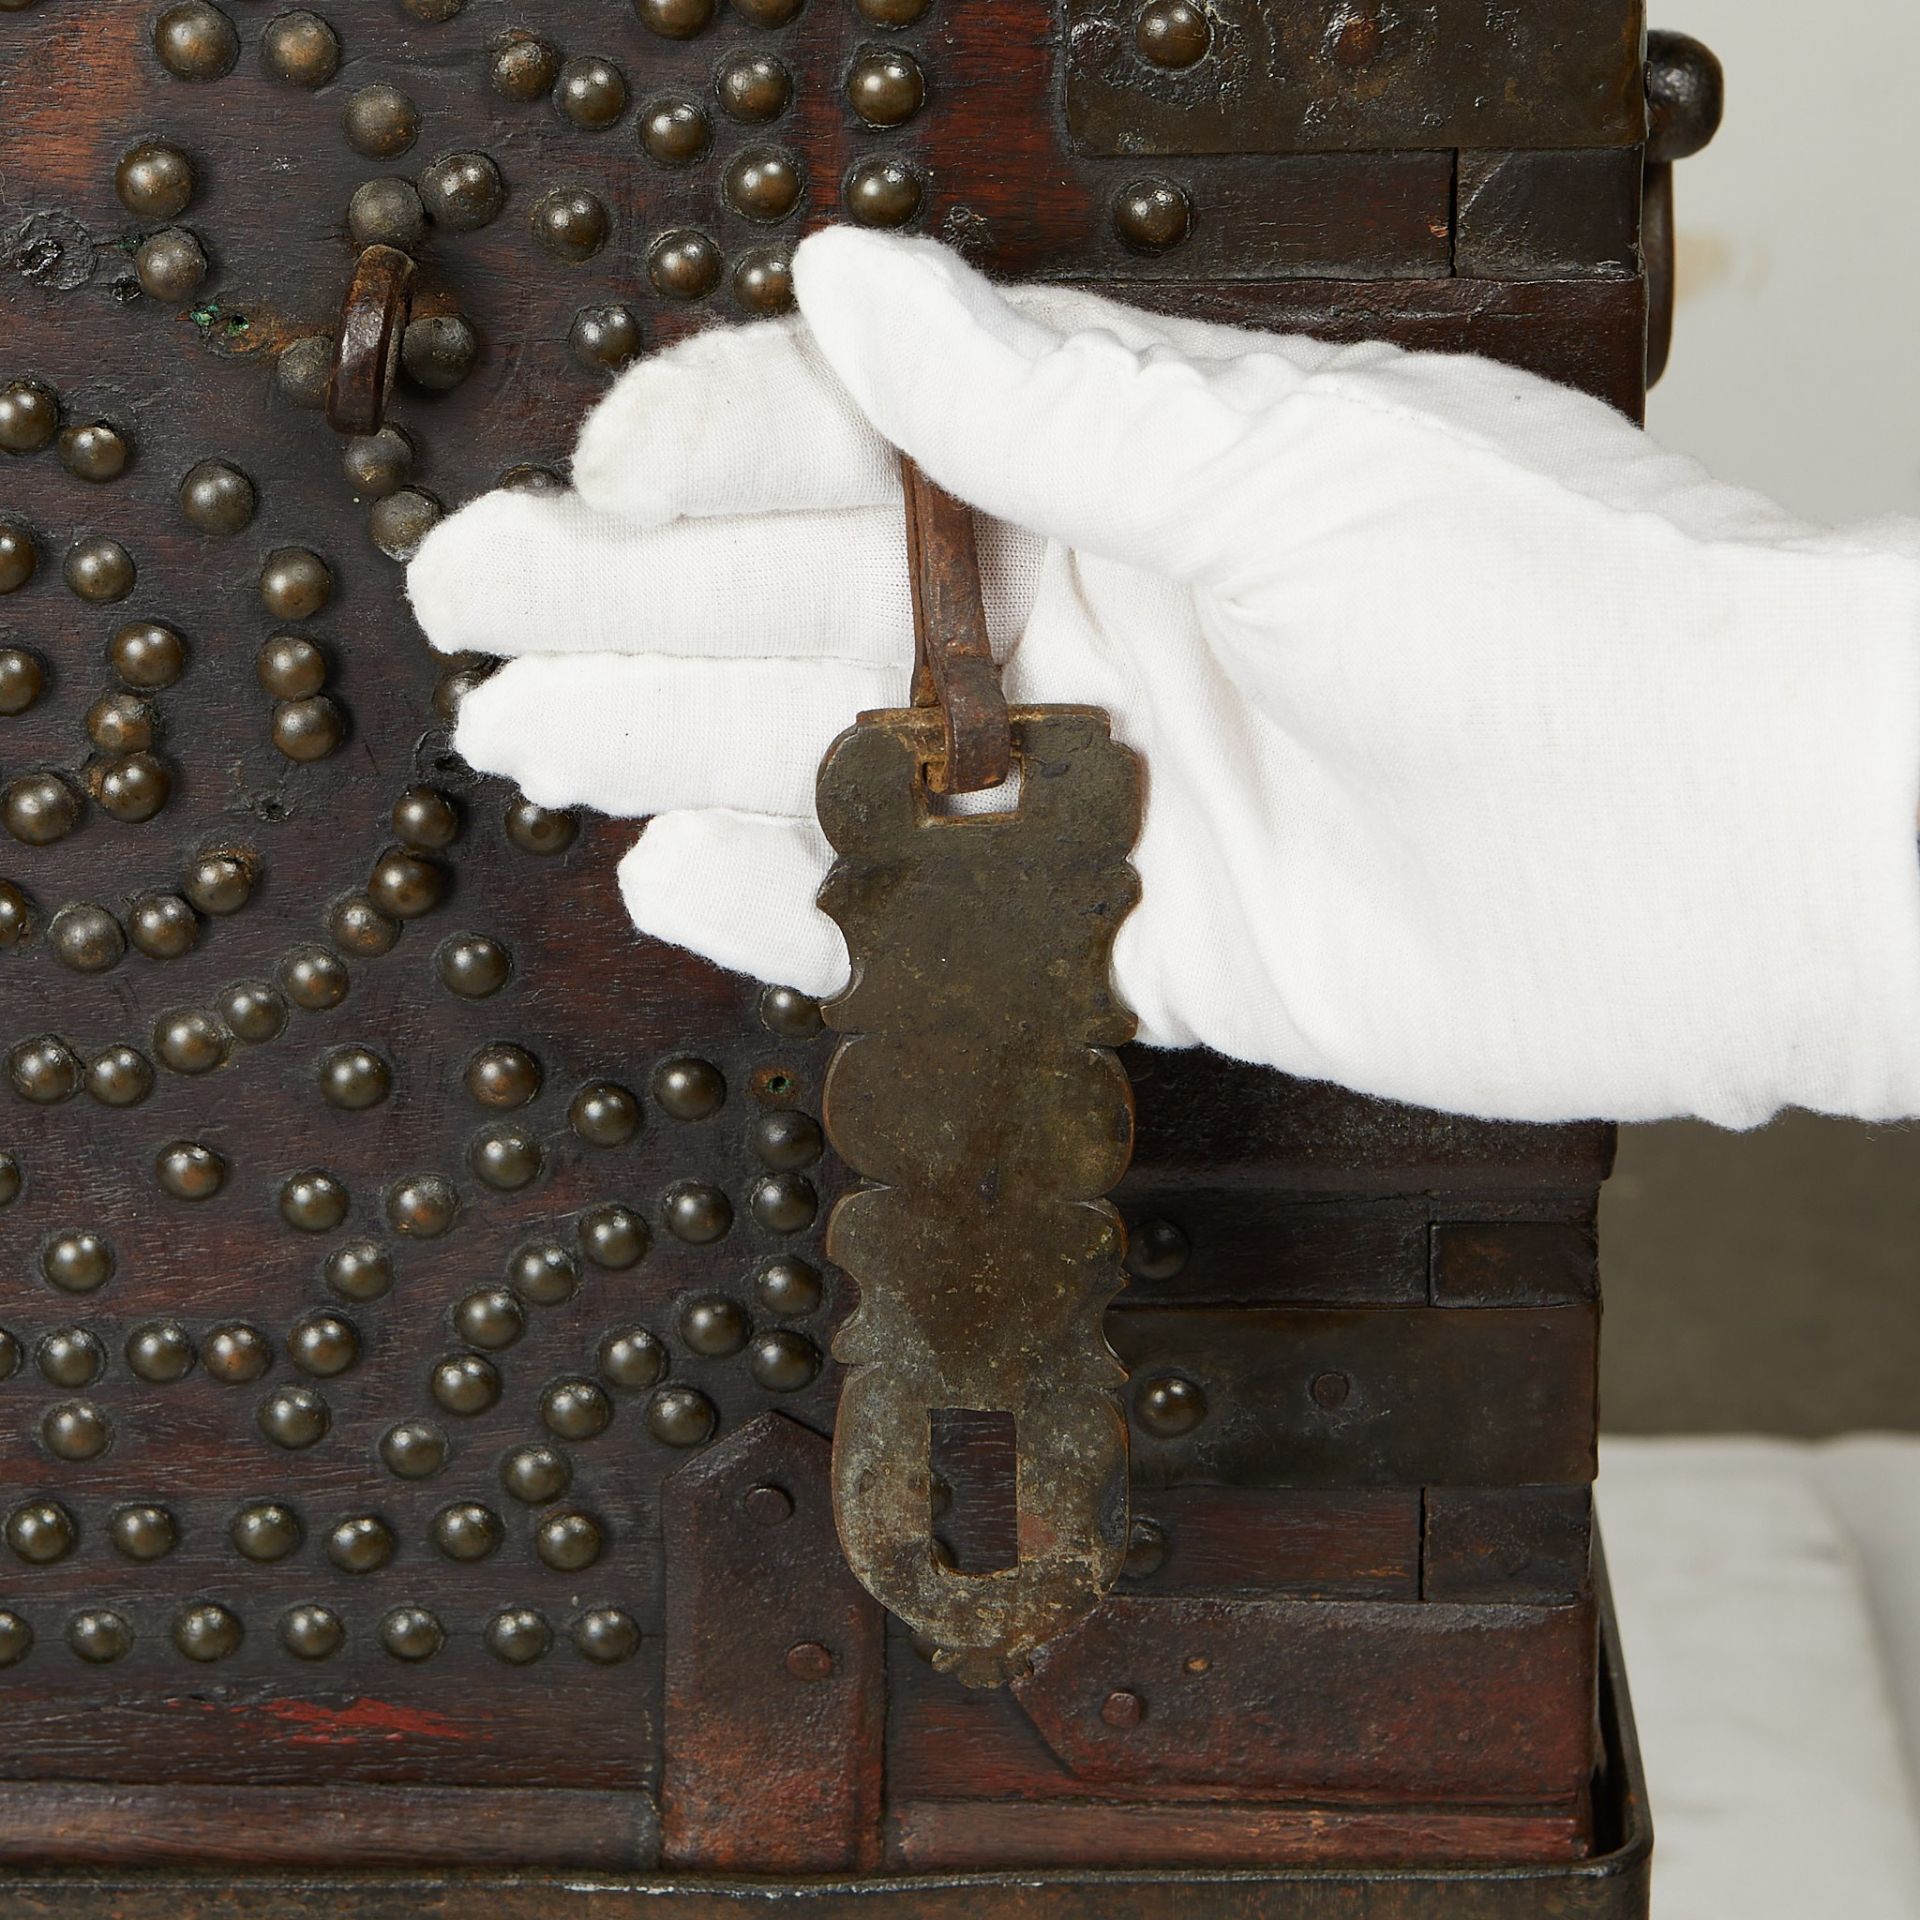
x: 1497, y: 759
x: 1769, y: 1602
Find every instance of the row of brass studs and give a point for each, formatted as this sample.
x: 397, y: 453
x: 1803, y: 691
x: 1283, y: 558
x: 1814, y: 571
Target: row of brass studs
x: 207, y: 1631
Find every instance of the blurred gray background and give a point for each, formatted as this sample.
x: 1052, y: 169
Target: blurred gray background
x: 1770, y: 1281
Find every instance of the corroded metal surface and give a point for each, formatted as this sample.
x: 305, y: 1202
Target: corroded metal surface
x: 775, y: 1666
x: 976, y: 1087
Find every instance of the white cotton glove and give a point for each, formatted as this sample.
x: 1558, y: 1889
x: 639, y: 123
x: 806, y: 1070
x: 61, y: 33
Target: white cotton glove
x: 1497, y: 760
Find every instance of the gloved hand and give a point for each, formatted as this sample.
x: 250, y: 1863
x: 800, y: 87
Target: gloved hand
x: 1497, y: 760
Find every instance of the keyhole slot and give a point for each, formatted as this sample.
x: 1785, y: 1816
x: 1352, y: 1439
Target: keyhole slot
x: 975, y: 1510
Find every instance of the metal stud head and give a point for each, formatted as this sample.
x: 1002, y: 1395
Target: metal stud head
x: 503, y: 1076
x: 592, y: 92
x: 697, y: 1213
x: 313, y: 1201
x: 473, y: 965
x: 414, y: 1450
x: 160, y: 1352
x: 314, y: 979
x: 302, y: 369
x: 220, y: 882
x: 360, y: 1544
x: 253, y: 1011
x: 154, y: 181
x: 606, y: 1635
x: 680, y: 1417
x: 492, y: 1318
x: 674, y: 19
x: 411, y: 1633
x: 147, y: 655
x: 22, y: 678
x: 311, y: 1633
x: 87, y: 939
x: 16, y: 1638
x: 883, y: 193
x: 97, y: 452
x: 381, y: 122
x: 190, y: 1171
x: 360, y: 1271
x: 190, y: 1041
x: 386, y: 213
x: 195, y: 41
x: 308, y: 730
x: 568, y: 1542
x: 423, y: 1206
x: 606, y: 337
x: 438, y: 351
x: 604, y: 1114
x: 886, y: 87
x: 294, y: 1417
x: 1172, y: 33
x: 783, y: 1361
x: 689, y: 1088
x: 378, y: 464
x: 41, y: 1532
x: 543, y: 1274
x: 714, y: 1326
x: 891, y: 13
x: 291, y: 667
x: 518, y: 1636
x: 359, y: 926
x: 143, y: 1532
x: 116, y: 722
x: 467, y: 1531
x: 754, y: 87
x: 1156, y: 1250
x: 119, y: 1076
x: 614, y: 1237
x: 266, y: 1531
x: 523, y: 66
x: 18, y: 556
x: 45, y: 1071
x: 29, y: 416
x: 506, y: 1157
x: 540, y: 830
x: 77, y: 1262
x: 99, y: 1635
x: 217, y: 497
x: 789, y: 1287
x: 16, y: 915
x: 675, y: 131
x: 295, y: 583
x: 401, y: 522
x: 406, y: 884
x: 98, y: 570
x: 463, y: 191
x: 354, y: 1079
x: 426, y: 820
x: 784, y: 1202
x: 301, y: 49
x: 323, y: 1345
x: 763, y: 183
x: 1152, y: 215
x: 70, y: 1357
x: 76, y: 1430
x: 632, y: 1357
x: 575, y: 1409
x: 132, y: 786
x: 536, y: 1474
x: 207, y: 1632
x: 465, y: 1384
x: 170, y: 265
x: 1169, y: 1406
x: 763, y: 281
x: 236, y: 1354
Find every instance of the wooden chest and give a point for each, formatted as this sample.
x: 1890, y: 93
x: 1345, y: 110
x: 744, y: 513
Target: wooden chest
x: 417, y: 1396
